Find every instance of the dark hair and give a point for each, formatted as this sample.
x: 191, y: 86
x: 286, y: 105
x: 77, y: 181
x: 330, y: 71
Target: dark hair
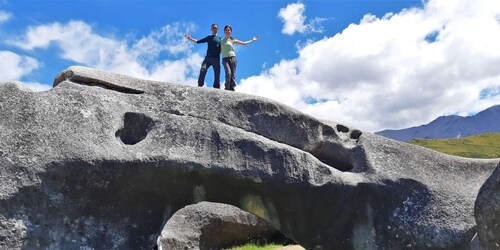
x: 214, y: 24
x: 228, y: 26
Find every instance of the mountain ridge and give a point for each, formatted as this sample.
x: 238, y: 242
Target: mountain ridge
x: 452, y: 126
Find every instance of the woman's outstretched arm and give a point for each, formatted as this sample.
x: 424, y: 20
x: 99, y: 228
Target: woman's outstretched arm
x: 255, y: 38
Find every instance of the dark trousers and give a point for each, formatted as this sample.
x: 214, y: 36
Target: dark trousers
x: 230, y: 64
x: 215, y: 63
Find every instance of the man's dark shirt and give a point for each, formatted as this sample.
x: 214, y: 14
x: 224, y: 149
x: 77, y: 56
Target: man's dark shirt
x: 213, y: 42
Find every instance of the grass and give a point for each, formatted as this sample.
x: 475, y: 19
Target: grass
x: 251, y: 246
x: 485, y: 145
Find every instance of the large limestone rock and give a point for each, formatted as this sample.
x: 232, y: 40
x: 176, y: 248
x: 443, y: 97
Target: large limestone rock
x: 103, y: 161
x: 487, y: 212
x: 208, y: 225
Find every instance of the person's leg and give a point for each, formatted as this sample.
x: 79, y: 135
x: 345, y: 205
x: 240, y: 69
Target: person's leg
x: 227, y: 70
x: 203, y: 73
x: 233, y: 64
x: 216, y: 65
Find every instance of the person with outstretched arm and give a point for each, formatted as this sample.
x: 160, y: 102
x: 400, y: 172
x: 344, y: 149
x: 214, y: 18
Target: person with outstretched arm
x: 212, y: 58
x: 229, y: 56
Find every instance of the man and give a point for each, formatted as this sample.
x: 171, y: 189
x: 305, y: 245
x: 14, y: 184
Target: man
x: 212, y: 58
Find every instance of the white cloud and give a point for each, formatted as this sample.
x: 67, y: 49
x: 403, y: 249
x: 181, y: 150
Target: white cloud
x: 167, y: 38
x: 35, y: 86
x: 4, y: 16
x: 14, y: 66
x: 179, y: 71
x: 139, y: 58
x: 399, y: 70
x: 293, y: 20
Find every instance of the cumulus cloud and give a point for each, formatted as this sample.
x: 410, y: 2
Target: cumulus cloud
x: 4, y: 16
x: 14, y: 66
x: 36, y: 86
x: 167, y: 39
x: 79, y: 43
x: 395, y: 71
x: 293, y: 19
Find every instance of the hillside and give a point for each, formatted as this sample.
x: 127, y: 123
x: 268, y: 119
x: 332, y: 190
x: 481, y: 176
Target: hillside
x: 486, y: 121
x: 485, y: 145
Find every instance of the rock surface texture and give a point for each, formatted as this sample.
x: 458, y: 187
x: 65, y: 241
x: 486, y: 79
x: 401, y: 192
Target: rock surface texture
x: 102, y: 161
x: 208, y: 225
x: 487, y: 212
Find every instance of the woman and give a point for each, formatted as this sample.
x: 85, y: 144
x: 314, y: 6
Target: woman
x: 229, y: 57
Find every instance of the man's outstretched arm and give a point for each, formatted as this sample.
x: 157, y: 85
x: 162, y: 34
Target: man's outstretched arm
x: 190, y: 38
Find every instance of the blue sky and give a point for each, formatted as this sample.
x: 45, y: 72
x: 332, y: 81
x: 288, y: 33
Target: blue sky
x: 371, y: 64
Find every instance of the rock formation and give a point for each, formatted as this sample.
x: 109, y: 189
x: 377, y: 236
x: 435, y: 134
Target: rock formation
x: 487, y: 212
x: 103, y: 160
x: 208, y: 225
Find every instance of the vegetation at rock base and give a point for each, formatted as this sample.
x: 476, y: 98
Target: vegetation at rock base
x: 485, y: 145
x: 252, y: 246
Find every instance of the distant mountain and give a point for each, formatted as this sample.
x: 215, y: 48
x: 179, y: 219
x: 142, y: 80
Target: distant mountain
x: 452, y: 126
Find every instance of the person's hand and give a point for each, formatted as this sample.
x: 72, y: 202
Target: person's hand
x: 255, y: 38
x: 187, y: 36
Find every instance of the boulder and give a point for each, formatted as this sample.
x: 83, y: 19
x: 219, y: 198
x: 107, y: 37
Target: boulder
x: 103, y: 160
x: 487, y: 212
x: 208, y: 225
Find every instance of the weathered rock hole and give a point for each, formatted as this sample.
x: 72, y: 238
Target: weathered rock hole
x: 355, y: 134
x: 136, y: 127
x: 329, y: 131
x: 333, y: 155
x: 342, y: 128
